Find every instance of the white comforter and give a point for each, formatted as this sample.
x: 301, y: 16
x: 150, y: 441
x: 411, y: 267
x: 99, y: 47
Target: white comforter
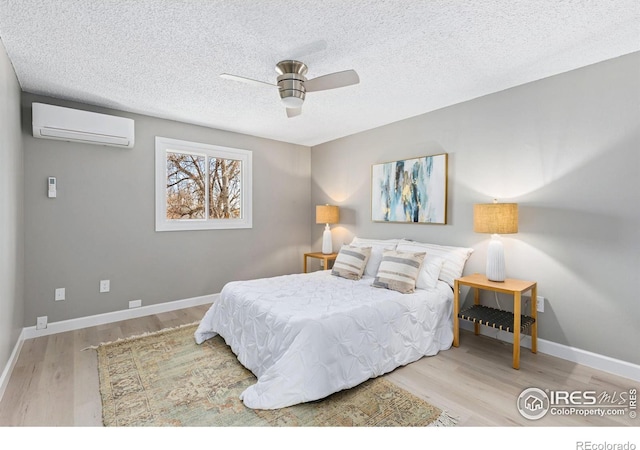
x: 307, y: 336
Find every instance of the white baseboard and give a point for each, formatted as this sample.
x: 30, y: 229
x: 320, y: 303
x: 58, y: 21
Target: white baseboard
x: 13, y: 359
x: 116, y: 316
x: 594, y: 360
x: 91, y: 321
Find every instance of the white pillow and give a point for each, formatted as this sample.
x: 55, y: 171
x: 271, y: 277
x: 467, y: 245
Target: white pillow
x: 386, y: 242
x: 431, y: 267
x: 399, y: 271
x: 455, y: 258
x: 377, y: 247
x: 429, y: 272
x: 351, y: 261
x: 375, y: 259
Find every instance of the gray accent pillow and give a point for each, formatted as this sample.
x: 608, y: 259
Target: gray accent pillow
x: 351, y: 261
x: 399, y: 271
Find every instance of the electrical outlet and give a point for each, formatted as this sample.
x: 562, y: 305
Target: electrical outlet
x: 135, y: 304
x: 540, y: 304
x: 41, y: 323
x: 105, y: 285
x: 60, y: 294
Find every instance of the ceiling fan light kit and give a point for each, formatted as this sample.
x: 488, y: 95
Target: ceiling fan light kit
x: 291, y: 82
x: 293, y: 85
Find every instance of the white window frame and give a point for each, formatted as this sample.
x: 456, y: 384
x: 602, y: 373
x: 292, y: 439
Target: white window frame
x: 164, y: 145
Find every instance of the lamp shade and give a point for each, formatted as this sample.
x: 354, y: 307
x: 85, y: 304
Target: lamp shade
x: 495, y: 218
x: 327, y: 214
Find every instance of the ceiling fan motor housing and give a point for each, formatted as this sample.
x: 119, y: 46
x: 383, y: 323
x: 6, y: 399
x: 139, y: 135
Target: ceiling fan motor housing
x: 291, y: 82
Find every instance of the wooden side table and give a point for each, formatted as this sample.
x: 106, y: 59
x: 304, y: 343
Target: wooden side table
x: 325, y: 257
x: 513, y: 322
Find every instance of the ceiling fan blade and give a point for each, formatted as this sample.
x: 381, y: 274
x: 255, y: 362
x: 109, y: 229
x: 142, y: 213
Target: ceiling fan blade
x: 293, y: 112
x: 228, y: 76
x: 332, y: 81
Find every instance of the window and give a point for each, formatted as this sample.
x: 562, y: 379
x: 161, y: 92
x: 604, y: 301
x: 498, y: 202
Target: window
x: 201, y: 186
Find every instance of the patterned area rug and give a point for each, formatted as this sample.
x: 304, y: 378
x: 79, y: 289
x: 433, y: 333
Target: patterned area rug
x: 165, y: 379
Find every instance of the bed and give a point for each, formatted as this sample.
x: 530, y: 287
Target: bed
x: 306, y: 336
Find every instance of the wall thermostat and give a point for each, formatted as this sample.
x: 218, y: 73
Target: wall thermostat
x: 52, y: 187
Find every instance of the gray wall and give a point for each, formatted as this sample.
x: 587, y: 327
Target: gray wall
x: 11, y: 211
x: 567, y: 149
x: 102, y: 223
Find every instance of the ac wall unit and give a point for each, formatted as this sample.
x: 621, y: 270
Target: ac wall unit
x: 73, y: 125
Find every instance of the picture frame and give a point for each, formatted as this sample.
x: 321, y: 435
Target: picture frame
x: 410, y: 190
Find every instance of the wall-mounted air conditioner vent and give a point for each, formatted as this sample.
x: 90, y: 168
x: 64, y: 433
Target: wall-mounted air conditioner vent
x: 73, y: 125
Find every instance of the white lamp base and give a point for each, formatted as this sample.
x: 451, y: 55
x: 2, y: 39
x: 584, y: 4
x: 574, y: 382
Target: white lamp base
x: 327, y: 247
x: 495, y: 259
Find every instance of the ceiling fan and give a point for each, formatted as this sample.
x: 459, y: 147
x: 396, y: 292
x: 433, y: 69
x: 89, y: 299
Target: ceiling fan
x: 293, y: 85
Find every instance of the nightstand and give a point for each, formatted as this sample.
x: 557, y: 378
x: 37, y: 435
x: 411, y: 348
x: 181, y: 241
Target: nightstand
x: 513, y: 322
x: 324, y: 257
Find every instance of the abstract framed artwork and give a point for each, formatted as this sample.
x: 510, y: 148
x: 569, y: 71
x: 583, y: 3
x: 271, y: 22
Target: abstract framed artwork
x: 410, y: 190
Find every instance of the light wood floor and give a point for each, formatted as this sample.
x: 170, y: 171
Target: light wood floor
x: 55, y: 381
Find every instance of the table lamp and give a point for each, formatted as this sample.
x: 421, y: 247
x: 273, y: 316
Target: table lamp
x: 327, y: 214
x: 495, y: 218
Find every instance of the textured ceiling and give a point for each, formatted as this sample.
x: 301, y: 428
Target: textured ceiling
x: 164, y: 57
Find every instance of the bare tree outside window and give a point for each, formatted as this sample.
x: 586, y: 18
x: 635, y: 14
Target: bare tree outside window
x: 224, y: 188
x: 202, y: 186
x: 185, y: 186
